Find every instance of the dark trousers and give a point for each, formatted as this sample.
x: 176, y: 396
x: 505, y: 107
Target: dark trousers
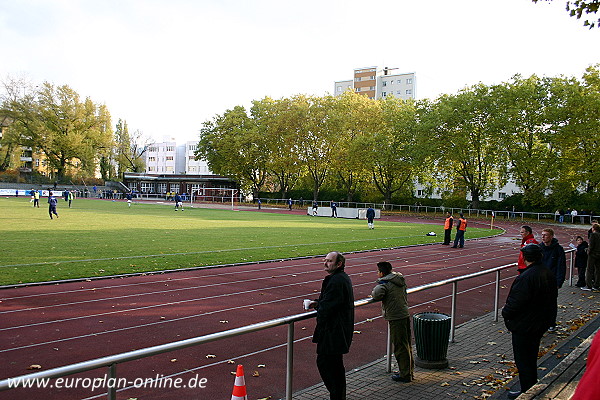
x: 581, y: 275
x: 333, y: 373
x: 447, y: 234
x: 592, y: 273
x: 459, y: 239
x: 525, y: 349
x: 400, y: 337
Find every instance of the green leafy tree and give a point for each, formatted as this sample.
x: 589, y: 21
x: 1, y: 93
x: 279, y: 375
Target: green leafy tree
x: 317, y: 138
x: 232, y: 146
x: 68, y: 131
x: 279, y: 121
x: 468, y: 145
x: 358, y: 116
x: 579, y: 8
x: 393, y: 148
x: 522, y: 120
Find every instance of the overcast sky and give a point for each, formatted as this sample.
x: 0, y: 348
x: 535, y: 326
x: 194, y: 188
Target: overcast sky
x: 166, y: 66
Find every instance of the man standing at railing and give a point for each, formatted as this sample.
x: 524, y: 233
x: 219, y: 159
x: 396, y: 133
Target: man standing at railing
x: 529, y: 311
x: 335, y: 325
x: 592, y: 273
x: 391, y: 290
x: 461, y: 227
x: 554, y: 259
x: 448, y: 228
x: 526, y: 238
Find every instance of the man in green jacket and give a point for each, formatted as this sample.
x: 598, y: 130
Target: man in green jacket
x: 391, y: 290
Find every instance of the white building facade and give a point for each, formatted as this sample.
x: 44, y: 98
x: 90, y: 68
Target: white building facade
x: 169, y: 158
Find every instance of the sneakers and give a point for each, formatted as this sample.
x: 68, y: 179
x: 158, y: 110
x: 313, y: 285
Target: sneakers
x: 398, y: 378
x: 513, y: 394
x: 552, y: 329
x: 586, y: 288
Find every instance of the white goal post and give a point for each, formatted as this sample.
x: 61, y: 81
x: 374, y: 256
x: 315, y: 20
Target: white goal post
x: 213, y: 194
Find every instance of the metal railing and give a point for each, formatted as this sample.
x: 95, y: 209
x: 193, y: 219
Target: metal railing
x: 111, y: 361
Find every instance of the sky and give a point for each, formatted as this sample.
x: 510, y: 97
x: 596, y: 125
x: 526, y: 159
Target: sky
x: 166, y: 66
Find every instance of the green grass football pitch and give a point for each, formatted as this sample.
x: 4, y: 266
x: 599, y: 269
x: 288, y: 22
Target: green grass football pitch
x: 96, y: 238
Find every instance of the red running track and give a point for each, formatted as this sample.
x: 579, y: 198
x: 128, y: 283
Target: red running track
x: 56, y: 325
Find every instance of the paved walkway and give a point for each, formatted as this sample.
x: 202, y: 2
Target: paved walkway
x: 481, y: 359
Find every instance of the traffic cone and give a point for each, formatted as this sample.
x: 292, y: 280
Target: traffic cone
x: 239, y: 387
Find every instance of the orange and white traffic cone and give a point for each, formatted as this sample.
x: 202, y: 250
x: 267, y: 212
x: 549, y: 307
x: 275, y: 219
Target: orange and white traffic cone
x: 239, y: 387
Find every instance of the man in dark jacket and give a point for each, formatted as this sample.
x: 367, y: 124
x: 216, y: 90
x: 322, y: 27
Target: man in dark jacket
x: 370, y: 217
x: 553, y: 256
x: 529, y: 311
x: 592, y: 273
x: 391, y: 290
x: 335, y: 325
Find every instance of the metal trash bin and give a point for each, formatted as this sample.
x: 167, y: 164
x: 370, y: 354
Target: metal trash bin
x: 432, y: 332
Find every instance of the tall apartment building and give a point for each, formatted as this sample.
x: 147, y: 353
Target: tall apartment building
x: 169, y: 158
x: 379, y: 83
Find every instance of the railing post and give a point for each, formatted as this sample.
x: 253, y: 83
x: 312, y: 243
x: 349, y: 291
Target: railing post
x: 571, y: 268
x: 388, y: 346
x: 453, y: 311
x: 497, y: 296
x: 290, y: 362
x: 112, y: 375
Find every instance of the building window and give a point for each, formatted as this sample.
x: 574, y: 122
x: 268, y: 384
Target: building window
x: 399, y: 92
x: 153, y: 149
x: 408, y: 92
x: 384, y: 83
x: 170, y: 148
x: 151, y: 169
x: 399, y: 81
x: 339, y: 88
x: 192, y: 158
x: 357, y: 79
x: 151, y: 158
x: 192, y: 169
x: 193, y: 147
x: 409, y: 81
x: 501, y: 195
x: 420, y: 192
x: 384, y: 94
x: 169, y: 158
x: 146, y: 187
x: 169, y: 169
x: 37, y: 162
x: 162, y: 188
x: 358, y: 89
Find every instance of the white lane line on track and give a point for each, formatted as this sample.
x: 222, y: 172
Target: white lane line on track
x: 253, y: 279
x: 408, y: 251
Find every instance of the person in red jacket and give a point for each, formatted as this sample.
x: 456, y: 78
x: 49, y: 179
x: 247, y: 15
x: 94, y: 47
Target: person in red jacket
x: 526, y: 238
x: 448, y: 228
x: 588, y: 388
x: 461, y: 227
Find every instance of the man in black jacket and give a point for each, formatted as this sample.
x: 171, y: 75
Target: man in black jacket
x: 335, y: 325
x: 529, y: 311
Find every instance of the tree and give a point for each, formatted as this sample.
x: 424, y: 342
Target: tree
x: 317, y: 138
x: 393, y: 148
x: 232, y: 146
x: 358, y: 116
x: 522, y: 120
x: 130, y: 149
x: 69, y: 132
x: 578, y: 8
x: 468, y: 145
x: 280, y: 121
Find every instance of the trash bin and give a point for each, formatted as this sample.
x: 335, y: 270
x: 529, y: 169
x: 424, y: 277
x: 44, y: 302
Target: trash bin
x: 432, y: 332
